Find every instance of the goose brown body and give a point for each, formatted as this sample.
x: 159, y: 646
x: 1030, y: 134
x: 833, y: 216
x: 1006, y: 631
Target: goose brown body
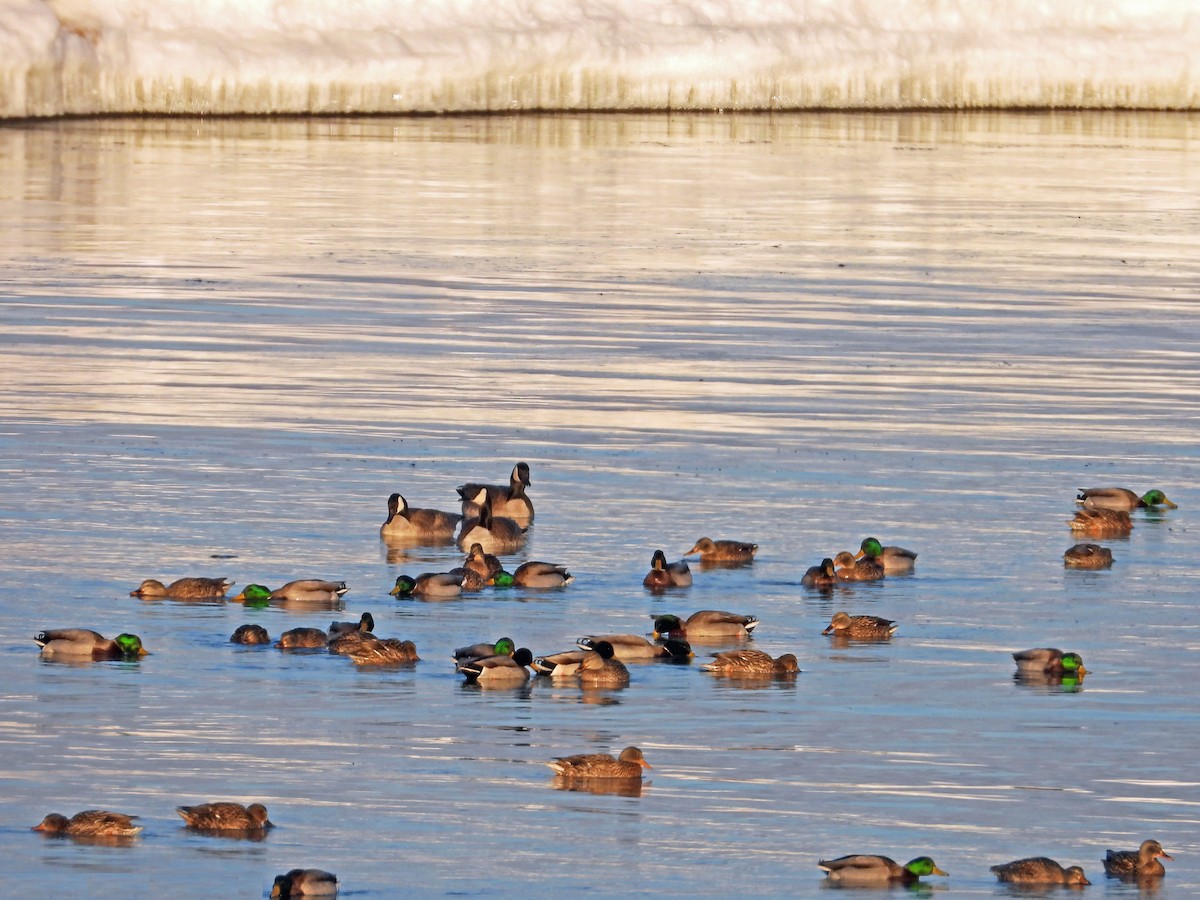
x: 495, y: 534
x: 508, y: 500
x: 417, y: 523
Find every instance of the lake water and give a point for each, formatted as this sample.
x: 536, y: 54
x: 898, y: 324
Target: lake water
x: 227, y: 341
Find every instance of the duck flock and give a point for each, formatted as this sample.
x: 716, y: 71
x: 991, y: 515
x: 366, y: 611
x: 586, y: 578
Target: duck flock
x: 493, y: 522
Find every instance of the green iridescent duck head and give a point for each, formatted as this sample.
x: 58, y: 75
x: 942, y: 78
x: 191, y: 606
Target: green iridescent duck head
x: 923, y: 865
x: 1157, y: 498
x: 502, y: 579
x: 130, y: 646
x: 404, y: 586
x: 254, y: 595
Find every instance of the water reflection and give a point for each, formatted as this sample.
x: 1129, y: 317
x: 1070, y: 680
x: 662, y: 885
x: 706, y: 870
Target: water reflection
x: 620, y: 787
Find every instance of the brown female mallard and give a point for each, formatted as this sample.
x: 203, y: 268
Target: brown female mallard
x: 851, y: 569
x: 302, y: 639
x: 225, y: 816
x: 1087, y: 556
x: 734, y: 663
x: 1140, y: 863
x: 250, y: 634
x: 485, y: 565
x: 1038, y: 870
x: 860, y: 628
x: 373, y: 651
x: 723, y: 551
x: 417, y: 523
x: 89, y: 823
x: 1100, y: 522
x: 184, y: 588
x: 1122, y: 498
x: 600, y: 765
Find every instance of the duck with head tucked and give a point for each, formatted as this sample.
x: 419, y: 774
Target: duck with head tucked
x: 1122, y: 498
x: 705, y: 624
x: 664, y: 575
x: 372, y: 651
x: 225, y: 816
x: 1038, y: 870
x: 251, y: 634
x: 87, y: 644
x: 303, y: 639
x: 509, y: 500
x: 867, y: 869
x: 1087, y: 556
x: 184, y: 588
x: 91, y: 823
x: 304, y: 883
x: 1101, y: 522
x: 417, y: 524
x: 307, y: 590
x: 629, y: 764
x: 495, y: 534
x: 1136, y: 864
x: 723, y: 553
x: 894, y: 560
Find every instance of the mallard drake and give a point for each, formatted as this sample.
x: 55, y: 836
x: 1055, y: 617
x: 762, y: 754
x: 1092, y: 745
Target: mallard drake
x: 534, y: 575
x: 503, y: 647
x: 1122, y: 498
x: 417, y: 523
x: 860, y: 628
x: 250, y: 634
x: 864, y: 869
x: 1140, y: 863
x: 365, y: 624
x: 706, y: 623
x: 302, y: 639
x: 851, y: 569
x: 508, y: 500
x: 1049, y: 661
x: 723, y: 551
x: 431, y: 585
x: 304, y: 883
x: 663, y: 575
x: 1038, y: 870
x: 184, y: 588
x: 895, y: 560
x: 484, y: 564
x: 822, y: 576
x: 560, y: 665
x: 84, y: 642
x: 225, y: 816
x: 495, y: 534
x: 747, y: 662
x: 634, y: 647
x: 308, y: 590
x: 600, y: 668
x: 1099, y: 522
x: 89, y: 823
x: 1087, y: 556
x: 373, y: 651
x: 600, y: 765
x: 498, y: 669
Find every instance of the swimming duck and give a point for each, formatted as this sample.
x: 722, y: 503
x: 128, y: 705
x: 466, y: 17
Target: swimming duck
x: 706, y: 623
x: 431, y: 585
x: 89, y: 823
x: 484, y: 564
x: 417, y: 523
x: 302, y: 639
x: 1140, y: 863
x: 495, y: 534
x: 365, y: 624
x: 304, y: 883
x: 250, y: 634
x: 863, y: 869
x: 1049, y: 661
x: 600, y: 765
x: 84, y: 642
x: 1122, y: 498
x: 851, y: 569
x: 663, y: 575
x: 1038, y: 870
x: 498, y: 669
x: 751, y: 662
x: 1087, y: 556
x: 1100, y: 522
x: 860, y: 628
x: 895, y: 560
x: 600, y: 668
x: 225, y: 816
x: 469, y: 580
x: 373, y: 651
x: 822, y: 576
x: 634, y: 647
x: 508, y: 500
x: 534, y: 575
x: 184, y: 588
x: 308, y: 590
x: 503, y: 647
x: 723, y: 551
x: 560, y: 665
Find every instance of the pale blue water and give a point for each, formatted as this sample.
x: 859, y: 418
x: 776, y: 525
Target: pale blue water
x: 236, y: 338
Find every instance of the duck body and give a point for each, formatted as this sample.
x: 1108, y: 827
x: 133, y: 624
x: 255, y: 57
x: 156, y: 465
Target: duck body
x: 225, y: 816
x: 306, y: 590
x: 417, y: 523
x: 1048, y: 661
x: 1101, y: 522
x: 495, y: 534
x: 503, y: 647
x: 365, y: 625
x: 751, y: 663
x: 635, y: 648
x: 373, y: 651
x: 860, y: 628
x: 894, y: 560
x: 664, y: 575
x: 1038, y: 870
x: 508, y: 500
x: 250, y: 634
x: 498, y: 670
x: 90, y: 823
x: 723, y: 552
x: 85, y: 643
x: 304, y: 883
x: 823, y: 576
x: 1140, y: 863
x: 534, y: 574
x: 599, y: 667
x: 560, y: 665
x: 851, y: 569
x: 705, y: 623
x: 1122, y: 499
x: 430, y: 585
x: 302, y: 639
x: 629, y: 764
x: 866, y: 869
x: 1087, y: 556
x: 485, y: 565
x: 184, y: 588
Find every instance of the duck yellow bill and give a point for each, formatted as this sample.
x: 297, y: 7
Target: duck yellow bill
x: 937, y: 871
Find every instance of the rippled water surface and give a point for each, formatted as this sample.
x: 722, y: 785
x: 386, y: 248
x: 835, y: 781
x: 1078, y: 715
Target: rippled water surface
x: 226, y: 342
